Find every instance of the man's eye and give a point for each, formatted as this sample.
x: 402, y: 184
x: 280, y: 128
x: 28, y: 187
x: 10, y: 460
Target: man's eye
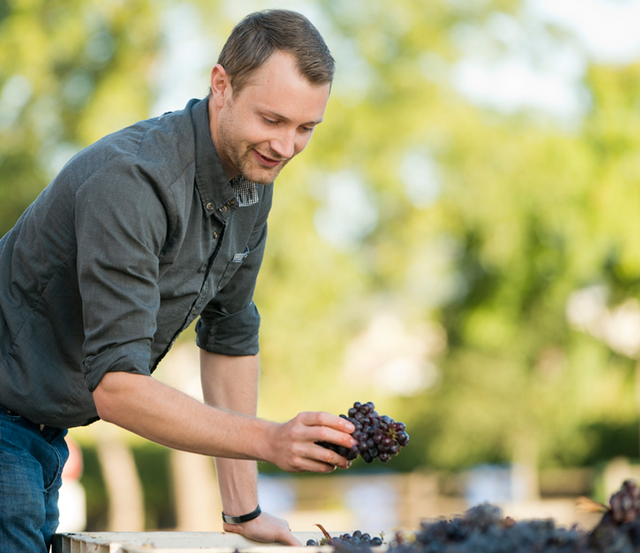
x: 270, y: 121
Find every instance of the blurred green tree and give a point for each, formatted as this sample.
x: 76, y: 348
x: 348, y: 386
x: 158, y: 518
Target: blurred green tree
x: 70, y: 72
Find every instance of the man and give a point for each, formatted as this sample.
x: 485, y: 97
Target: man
x: 138, y: 235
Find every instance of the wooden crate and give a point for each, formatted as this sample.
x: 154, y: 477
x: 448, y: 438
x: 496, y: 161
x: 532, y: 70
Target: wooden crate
x: 179, y: 542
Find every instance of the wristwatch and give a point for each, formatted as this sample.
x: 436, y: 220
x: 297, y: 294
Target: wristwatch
x: 242, y: 518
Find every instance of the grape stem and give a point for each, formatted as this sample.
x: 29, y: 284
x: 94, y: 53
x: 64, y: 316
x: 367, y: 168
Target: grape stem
x: 326, y: 534
x: 587, y: 505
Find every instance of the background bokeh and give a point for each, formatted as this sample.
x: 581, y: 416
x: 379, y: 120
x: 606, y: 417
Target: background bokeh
x: 459, y: 243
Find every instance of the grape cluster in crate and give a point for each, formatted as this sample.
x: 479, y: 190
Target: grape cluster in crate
x: 484, y: 529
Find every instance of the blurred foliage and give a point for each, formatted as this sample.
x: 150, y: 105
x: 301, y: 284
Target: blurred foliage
x: 70, y: 72
x: 153, y: 465
x: 521, y: 213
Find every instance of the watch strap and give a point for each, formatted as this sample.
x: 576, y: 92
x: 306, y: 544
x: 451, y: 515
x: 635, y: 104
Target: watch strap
x: 242, y: 518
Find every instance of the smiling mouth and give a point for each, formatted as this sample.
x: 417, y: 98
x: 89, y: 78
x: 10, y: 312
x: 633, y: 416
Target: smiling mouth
x: 267, y: 161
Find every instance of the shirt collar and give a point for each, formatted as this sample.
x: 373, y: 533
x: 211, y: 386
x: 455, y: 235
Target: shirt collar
x: 216, y: 193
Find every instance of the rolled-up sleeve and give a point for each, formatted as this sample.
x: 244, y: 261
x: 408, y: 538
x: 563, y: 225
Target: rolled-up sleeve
x: 234, y: 334
x: 120, y: 225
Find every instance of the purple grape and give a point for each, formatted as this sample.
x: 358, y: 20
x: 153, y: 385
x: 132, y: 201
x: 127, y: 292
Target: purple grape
x: 402, y: 438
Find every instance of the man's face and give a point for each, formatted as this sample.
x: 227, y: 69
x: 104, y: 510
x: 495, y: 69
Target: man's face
x: 271, y: 119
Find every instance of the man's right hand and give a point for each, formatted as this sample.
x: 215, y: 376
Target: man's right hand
x: 294, y: 447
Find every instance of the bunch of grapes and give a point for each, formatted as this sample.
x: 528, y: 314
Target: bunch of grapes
x: 625, y: 504
x: 355, y: 540
x: 621, y: 520
x: 377, y: 436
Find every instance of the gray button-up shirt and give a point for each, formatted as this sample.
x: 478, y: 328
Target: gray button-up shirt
x: 138, y: 235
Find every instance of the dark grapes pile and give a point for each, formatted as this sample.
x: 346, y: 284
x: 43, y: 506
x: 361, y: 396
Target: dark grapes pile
x: 356, y: 540
x: 484, y: 529
x: 377, y: 436
x: 625, y: 504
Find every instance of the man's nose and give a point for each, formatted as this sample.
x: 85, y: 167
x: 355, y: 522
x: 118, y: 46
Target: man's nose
x: 284, y: 145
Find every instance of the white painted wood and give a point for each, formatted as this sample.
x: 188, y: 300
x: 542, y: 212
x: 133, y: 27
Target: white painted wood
x: 181, y: 542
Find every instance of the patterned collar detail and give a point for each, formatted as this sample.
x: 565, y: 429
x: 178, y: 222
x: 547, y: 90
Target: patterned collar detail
x: 246, y: 191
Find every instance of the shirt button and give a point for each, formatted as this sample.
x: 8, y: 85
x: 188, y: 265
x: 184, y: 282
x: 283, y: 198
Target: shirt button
x: 210, y: 206
x: 215, y: 234
x: 223, y: 208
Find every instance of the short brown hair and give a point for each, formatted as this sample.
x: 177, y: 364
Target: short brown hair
x: 262, y: 33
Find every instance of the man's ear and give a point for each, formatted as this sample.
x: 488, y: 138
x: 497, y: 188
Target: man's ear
x: 220, y: 85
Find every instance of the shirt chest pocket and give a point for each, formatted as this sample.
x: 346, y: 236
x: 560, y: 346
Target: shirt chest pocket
x: 231, y: 268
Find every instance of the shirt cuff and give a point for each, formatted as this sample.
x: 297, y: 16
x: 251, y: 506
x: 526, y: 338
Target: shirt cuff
x: 235, y: 334
x: 130, y: 358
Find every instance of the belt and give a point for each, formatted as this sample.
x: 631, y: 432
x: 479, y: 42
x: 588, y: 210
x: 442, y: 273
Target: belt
x: 14, y: 414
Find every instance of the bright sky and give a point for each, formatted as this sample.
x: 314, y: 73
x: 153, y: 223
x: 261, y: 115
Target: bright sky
x: 609, y: 29
x: 545, y: 76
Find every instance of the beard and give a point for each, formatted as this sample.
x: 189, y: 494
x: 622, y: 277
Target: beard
x: 239, y: 155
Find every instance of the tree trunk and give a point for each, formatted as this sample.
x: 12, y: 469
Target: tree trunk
x: 198, y: 505
x: 126, y: 505
x: 525, y: 469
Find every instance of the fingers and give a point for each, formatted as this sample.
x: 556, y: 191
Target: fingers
x: 324, y: 433
x: 326, y: 419
x: 315, y: 458
x: 297, y: 446
x: 324, y: 427
x: 287, y: 538
x: 325, y: 463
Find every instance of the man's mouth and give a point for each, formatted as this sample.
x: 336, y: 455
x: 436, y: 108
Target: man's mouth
x: 267, y: 161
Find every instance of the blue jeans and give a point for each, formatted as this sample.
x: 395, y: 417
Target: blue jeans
x: 31, y: 462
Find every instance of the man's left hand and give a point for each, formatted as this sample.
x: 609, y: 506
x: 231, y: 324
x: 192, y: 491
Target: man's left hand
x: 266, y: 528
